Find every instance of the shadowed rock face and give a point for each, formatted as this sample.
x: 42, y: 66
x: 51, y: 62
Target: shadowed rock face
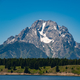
x: 54, y: 40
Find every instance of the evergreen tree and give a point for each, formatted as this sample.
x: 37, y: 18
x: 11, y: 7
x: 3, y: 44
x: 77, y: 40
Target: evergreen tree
x: 11, y: 71
x: 66, y: 67
x: 14, y: 67
x: 26, y: 70
x: 52, y: 64
x: 44, y: 67
x: 9, y: 67
x: 36, y: 65
x: 22, y: 66
x: 6, y: 65
x: 46, y: 71
x: 57, y: 68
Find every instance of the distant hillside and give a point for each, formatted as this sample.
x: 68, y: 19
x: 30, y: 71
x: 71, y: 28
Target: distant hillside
x: 21, y: 50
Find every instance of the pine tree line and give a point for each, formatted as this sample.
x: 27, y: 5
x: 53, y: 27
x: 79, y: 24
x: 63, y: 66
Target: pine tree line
x: 35, y: 63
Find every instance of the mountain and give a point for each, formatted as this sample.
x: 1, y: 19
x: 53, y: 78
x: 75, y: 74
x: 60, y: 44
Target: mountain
x: 21, y: 50
x: 48, y: 36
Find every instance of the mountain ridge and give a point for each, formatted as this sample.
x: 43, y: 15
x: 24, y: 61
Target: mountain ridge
x: 49, y: 37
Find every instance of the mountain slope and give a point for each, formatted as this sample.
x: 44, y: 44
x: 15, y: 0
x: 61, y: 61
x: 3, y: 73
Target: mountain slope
x: 50, y: 38
x: 21, y: 50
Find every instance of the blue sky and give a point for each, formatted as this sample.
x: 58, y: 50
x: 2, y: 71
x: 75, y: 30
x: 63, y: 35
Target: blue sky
x: 16, y: 15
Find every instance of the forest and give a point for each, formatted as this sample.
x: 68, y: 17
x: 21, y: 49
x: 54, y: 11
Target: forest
x: 35, y: 63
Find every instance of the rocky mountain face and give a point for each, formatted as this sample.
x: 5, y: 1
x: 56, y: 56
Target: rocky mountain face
x: 48, y: 36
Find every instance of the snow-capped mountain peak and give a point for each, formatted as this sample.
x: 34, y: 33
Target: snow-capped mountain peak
x: 48, y: 36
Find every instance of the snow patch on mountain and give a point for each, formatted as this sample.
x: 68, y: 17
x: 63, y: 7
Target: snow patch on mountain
x: 55, y: 28
x: 11, y: 41
x: 41, y: 32
x: 43, y: 45
x: 54, y: 55
x: 75, y: 46
x: 63, y: 35
x: 59, y: 32
x: 68, y: 41
x: 44, y: 39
